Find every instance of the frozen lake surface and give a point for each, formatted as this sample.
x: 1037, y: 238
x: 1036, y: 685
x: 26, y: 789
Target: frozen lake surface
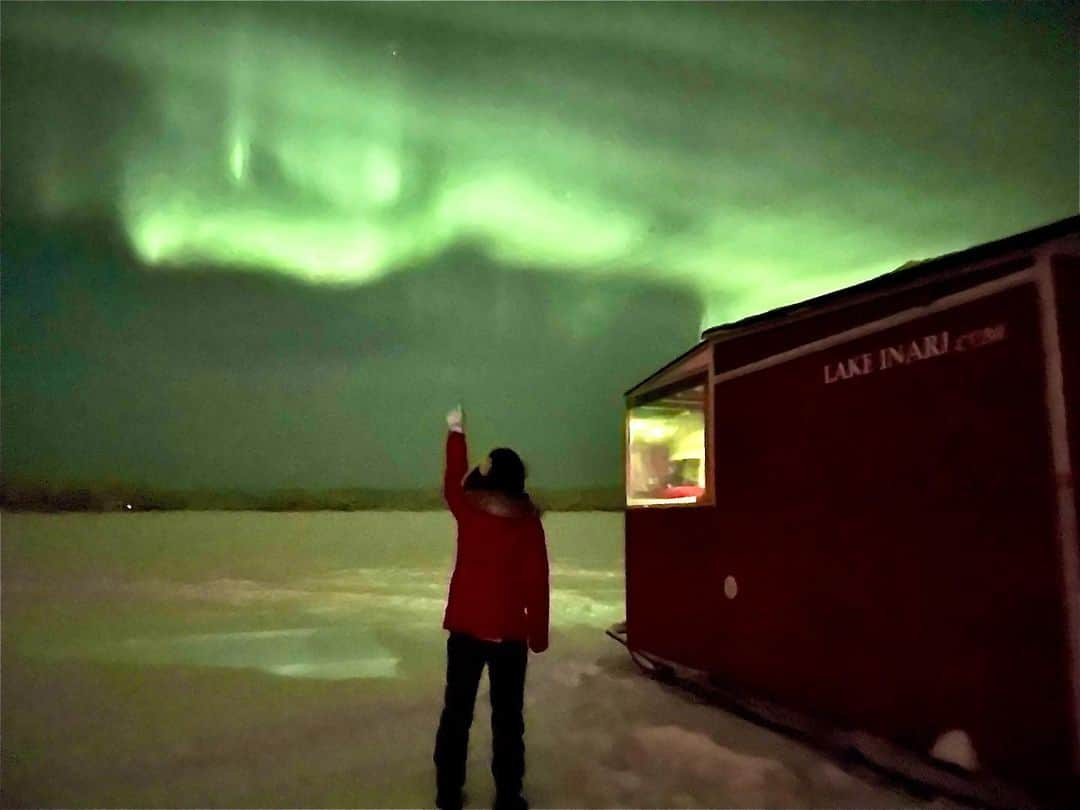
x: 244, y: 659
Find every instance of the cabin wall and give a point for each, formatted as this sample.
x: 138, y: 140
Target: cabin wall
x: 889, y: 524
x: 672, y: 600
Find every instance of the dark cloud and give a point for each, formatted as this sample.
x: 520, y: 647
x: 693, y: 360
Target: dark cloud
x: 217, y: 377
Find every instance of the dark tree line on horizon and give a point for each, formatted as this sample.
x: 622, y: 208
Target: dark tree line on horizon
x: 23, y: 496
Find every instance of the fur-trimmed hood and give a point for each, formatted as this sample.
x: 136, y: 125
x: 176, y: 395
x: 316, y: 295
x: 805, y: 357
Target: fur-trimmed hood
x: 496, y: 503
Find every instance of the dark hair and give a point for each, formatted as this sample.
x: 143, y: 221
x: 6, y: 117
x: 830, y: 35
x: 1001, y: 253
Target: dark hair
x: 507, y: 474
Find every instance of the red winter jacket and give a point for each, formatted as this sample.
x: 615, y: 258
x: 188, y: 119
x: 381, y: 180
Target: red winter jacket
x: 499, y: 589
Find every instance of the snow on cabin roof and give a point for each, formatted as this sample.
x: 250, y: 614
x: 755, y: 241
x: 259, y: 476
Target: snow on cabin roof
x: 908, y: 273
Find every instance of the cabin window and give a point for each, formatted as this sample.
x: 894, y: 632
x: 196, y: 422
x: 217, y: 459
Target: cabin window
x: 666, y: 449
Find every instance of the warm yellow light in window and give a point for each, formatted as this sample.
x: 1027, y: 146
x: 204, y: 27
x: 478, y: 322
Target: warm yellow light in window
x: 652, y: 430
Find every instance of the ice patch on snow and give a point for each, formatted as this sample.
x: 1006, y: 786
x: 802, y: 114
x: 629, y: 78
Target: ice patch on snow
x: 330, y: 653
x: 386, y: 667
x: 572, y: 672
x: 955, y: 746
x: 833, y: 777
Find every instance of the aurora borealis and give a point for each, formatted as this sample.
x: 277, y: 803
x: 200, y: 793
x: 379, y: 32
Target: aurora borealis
x: 269, y: 244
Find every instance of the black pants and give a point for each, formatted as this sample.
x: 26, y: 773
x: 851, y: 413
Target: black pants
x: 465, y: 659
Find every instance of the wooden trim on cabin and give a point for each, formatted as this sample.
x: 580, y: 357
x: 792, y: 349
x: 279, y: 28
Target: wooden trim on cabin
x: 905, y: 316
x: 978, y: 258
x: 693, y: 379
x: 851, y: 297
x: 735, y: 350
x: 711, y: 459
x: 1057, y: 416
x: 670, y: 366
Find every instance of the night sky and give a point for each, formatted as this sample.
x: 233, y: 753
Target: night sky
x: 270, y: 245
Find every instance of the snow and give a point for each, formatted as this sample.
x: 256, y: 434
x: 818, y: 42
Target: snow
x: 273, y: 660
x: 690, y: 759
x: 955, y: 746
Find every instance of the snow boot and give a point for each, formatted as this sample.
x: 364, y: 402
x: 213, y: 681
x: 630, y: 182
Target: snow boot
x: 517, y: 802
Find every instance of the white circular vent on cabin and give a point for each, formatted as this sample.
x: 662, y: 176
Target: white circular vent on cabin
x: 731, y: 587
x: 955, y: 746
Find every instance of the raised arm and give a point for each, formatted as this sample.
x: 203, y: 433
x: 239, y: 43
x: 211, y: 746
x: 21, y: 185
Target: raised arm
x: 457, y: 461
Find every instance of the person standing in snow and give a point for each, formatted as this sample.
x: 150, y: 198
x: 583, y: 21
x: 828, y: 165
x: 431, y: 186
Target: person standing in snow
x: 496, y: 610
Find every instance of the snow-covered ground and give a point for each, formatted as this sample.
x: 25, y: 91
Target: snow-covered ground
x: 296, y: 660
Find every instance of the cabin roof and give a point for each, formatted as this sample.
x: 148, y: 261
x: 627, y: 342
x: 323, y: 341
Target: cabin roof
x: 911, y: 272
x: 907, y: 273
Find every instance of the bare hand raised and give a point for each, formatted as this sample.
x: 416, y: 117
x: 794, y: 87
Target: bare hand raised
x: 455, y: 420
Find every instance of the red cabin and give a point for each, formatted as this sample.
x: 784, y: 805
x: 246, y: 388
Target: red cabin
x: 861, y: 508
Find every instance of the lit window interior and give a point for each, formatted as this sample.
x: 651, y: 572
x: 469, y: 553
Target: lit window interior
x: 666, y: 454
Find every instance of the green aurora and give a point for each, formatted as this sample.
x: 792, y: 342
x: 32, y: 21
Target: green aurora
x: 248, y: 244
